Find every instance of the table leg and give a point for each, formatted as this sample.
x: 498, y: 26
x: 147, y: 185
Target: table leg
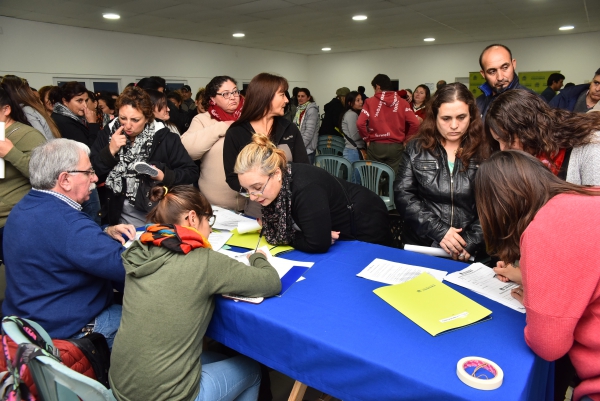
x: 297, y: 391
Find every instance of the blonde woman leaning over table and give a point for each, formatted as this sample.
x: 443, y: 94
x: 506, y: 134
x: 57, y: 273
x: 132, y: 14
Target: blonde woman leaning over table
x: 305, y: 206
x: 172, y: 278
x: 204, y: 140
x: 552, y: 226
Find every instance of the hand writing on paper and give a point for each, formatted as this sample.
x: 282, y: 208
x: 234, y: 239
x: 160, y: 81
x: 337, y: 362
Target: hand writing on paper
x: 335, y: 235
x: 116, y: 232
x: 507, y: 272
x: 518, y: 293
x: 454, y: 244
x: 258, y: 251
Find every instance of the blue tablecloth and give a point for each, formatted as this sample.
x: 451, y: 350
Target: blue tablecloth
x: 333, y: 333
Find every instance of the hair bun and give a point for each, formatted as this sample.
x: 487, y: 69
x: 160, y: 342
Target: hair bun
x: 263, y: 140
x: 158, y: 193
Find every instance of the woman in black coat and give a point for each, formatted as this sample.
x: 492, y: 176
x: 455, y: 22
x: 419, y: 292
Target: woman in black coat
x: 133, y: 138
x: 305, y: 206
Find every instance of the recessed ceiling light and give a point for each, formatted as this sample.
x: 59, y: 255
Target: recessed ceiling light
x: 326, y: 49
x: 239, y: 35
x: 359, y: 17
x: 111, y: 16
x: 429, y: 39
x: 566, y: 28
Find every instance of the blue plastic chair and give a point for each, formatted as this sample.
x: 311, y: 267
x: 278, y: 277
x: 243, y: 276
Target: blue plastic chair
x: 55, y: 381
x: 325, y: 139
x: 336, y: 166
x: 370, y: 173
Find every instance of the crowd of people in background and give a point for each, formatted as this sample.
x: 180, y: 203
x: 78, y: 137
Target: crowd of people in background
x: 502, y: 178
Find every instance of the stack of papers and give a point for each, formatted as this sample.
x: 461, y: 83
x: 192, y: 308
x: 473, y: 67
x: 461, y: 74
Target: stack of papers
x: 388, y: 272
x: 482, y: 280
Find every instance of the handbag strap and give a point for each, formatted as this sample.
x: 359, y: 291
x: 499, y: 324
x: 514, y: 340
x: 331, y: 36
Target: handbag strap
x: 347, y: 137
x: 32, y: 335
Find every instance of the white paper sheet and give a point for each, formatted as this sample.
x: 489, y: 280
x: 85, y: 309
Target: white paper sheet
x: 481, y: 279
x: 388, y: 272
x: 218, y: 239
x: 138, y: 234
x: 281, y: 265
x: 429, y: 250
x: 228, y: 220
x: 248, y: 226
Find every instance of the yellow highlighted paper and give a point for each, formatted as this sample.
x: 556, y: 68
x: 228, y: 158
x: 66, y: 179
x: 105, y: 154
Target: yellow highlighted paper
x: 432, y: 305
x: 249, y: 241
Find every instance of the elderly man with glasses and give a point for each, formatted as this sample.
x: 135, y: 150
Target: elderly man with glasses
x: 61, y: 267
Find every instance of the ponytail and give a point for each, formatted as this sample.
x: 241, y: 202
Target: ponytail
x: 260, y: 154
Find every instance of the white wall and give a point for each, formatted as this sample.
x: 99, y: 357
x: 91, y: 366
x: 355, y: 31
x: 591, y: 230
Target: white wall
x: 39, y: 51
x: 575, y: 55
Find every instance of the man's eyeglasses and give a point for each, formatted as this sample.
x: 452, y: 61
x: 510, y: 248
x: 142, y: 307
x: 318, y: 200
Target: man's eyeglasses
x: 228, y: 95
x: 87, y: 172
x: 244, y: 192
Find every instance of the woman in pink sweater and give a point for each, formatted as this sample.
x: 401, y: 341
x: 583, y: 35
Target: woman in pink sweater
x: 553, y: 227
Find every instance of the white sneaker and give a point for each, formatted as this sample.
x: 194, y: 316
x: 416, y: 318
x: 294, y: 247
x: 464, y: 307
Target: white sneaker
x: 145, y: 168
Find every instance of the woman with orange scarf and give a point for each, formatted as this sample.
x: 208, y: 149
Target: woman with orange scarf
x: 172, y: 278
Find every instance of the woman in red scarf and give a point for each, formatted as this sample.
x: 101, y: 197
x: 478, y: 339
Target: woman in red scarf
x: 204, y: 140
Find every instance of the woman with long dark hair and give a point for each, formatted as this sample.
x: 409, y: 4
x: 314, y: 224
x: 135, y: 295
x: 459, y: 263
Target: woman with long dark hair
x: 567, y: 143
x: 19, y: 90
x: 354, y: 142
x: 161, y: 110
x: 263, y: 113
x: 420, y: 98
x: 204, y: 140
x: 172, y: 279
x: 552, y: 226
x: 72, y: 116
x: 15, y: 149
x: 434, y: 185
x: 307, y: 121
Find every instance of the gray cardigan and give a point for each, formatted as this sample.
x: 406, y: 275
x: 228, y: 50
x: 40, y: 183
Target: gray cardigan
x: 37, y: 121
x: 584, y: 163
x: 350, y: 129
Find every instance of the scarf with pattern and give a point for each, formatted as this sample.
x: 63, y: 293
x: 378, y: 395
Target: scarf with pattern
x: 217, y: 113
x: 278, y: 225
x: 123, y: 173
x: 300, y: 111
x: 63, y: 110
x: 553, y: 163
x: 173, y: 237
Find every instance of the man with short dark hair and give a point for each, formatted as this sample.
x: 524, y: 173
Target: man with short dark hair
x: 390, y: 121
x: 361, y: 92
x: 555, y: 82
x: 60, y: 265
x: 579, y: 98
x: 498, y: 68
x: 187, y: 102
x: 439, y: 84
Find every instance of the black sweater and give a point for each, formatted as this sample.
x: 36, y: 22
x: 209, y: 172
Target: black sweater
x: 285, y: 135
x: 71, y: 129
x: 320, y: 205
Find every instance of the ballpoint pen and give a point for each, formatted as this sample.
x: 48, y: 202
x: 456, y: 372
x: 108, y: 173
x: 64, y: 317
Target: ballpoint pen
x: 259, y: 238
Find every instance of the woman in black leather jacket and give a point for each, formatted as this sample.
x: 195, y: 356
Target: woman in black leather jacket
x: 434, y: 185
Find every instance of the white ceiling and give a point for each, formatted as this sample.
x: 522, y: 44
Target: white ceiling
x: 305, y: 26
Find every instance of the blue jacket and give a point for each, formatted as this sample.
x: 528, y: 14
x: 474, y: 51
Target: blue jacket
x: 59, y: 265
x: 487, y: 97
x: 567, y: 98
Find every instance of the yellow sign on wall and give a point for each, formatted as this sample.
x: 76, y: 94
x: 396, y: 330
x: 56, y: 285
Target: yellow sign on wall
x: 475, y: 80
x: 535, y: 80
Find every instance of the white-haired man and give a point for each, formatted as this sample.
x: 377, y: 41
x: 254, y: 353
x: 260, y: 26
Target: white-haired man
x: 61, y: 267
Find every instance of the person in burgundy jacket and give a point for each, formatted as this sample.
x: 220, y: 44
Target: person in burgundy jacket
x: 386, y: 122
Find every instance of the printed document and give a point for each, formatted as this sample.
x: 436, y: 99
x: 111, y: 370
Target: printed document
x: 388, y: 272
x: 228, y: 220
x: 481, y: 279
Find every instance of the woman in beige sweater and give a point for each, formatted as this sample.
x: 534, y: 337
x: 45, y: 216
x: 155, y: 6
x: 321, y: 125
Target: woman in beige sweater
x: 204, y: 140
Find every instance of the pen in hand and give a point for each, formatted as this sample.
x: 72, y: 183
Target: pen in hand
x: 259, y: 238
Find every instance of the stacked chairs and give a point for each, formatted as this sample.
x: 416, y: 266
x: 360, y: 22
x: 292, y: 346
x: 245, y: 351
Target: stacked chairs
x: 336, y: 166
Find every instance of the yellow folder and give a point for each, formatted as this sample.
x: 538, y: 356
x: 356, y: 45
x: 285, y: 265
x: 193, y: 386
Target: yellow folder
x: 432, y: 305
x: 249, y: 241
